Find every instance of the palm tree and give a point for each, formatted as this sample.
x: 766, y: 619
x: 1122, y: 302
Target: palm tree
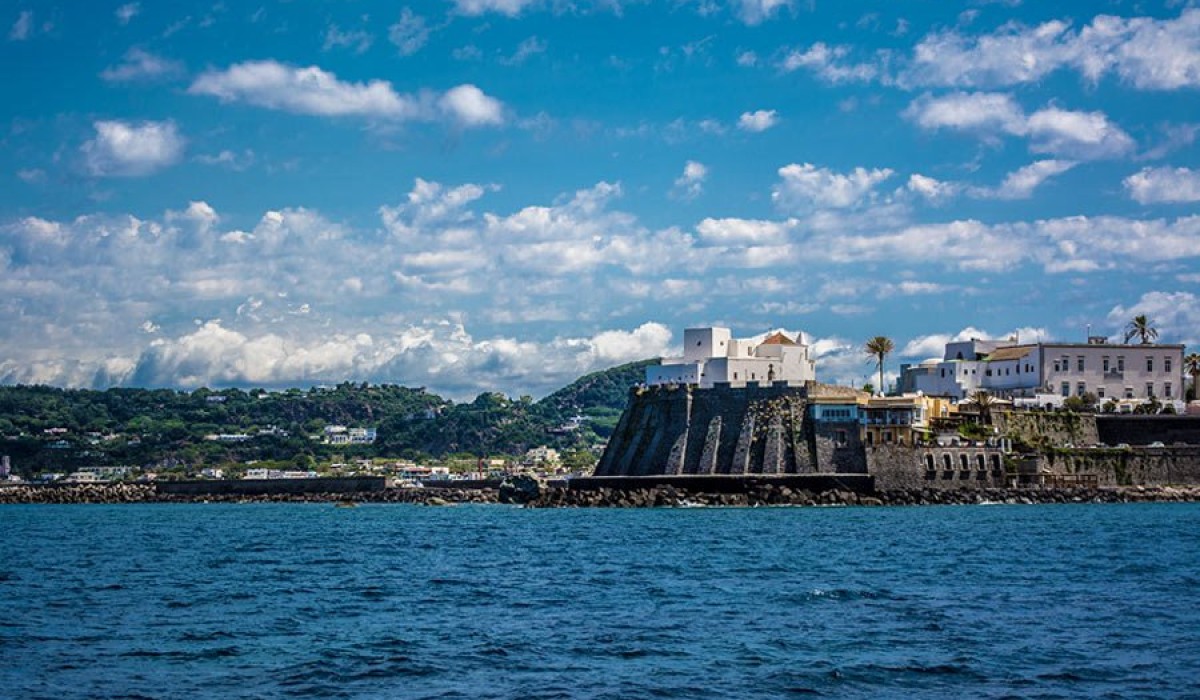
x: 1191, y: 365
x: 1141, y: 328
x: 879, y: 347
x: 983, y: 402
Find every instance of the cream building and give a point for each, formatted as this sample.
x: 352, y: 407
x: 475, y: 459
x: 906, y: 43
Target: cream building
x: 712, y: 355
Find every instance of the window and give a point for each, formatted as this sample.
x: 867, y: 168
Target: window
x: 1149, y: 364
x: 943, y: 372
x: 1080, y: 389
x: 1066, y: 388
x: 887, y: 436
x: 1100, y: 392
x: 841, y: 437
x: 1167, y: 390
x: 1120, y: 363
x: 1149, y: 389
x: 1066, y: 363
x: 1129, y: 392
x: 1079, y: 363
x: 929, y: 462
x: 1105, y: 359
x: 1006, y: 370
x: 962, y: 462
x: 946, y: 462
x: 1167, y: 365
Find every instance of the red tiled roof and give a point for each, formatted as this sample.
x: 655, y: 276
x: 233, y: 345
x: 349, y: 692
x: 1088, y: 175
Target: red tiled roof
x: 778, y: 339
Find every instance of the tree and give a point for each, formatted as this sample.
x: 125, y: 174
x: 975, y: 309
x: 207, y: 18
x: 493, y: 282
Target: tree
x: 983, y: 403
x: 879, y: 347
x: 1141, y: 328
x: 1191, y: 365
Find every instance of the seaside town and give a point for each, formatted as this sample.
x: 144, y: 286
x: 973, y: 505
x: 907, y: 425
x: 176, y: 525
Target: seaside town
x: 956, y: 400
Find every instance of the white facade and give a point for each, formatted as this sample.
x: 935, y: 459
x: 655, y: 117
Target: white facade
x: 1107, y: 371
x: 712, y: 355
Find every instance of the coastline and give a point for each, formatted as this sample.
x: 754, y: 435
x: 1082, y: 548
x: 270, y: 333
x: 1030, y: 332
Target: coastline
x: 649, y: 497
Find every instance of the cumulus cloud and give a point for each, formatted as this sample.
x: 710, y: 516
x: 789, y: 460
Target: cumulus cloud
x: 467, y: 105
x: 1143, y: 52
x: 931, y: 189
x: 690, y: 184
x: 1080, y: 135
x: 303, y: 90
x: 131, y: 149
x: 139, y: 65
x: 807, y: 186
x: 1164, y: 185
x: 1176, y: 315
x: 934, y: 345
x: 317, y: 92
x: 759, y: 120
x: 1021, y: 183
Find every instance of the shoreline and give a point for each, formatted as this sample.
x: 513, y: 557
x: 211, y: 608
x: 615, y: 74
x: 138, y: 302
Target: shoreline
x: 648, y: 497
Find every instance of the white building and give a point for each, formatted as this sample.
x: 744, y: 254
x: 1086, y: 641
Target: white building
x: 1105, y: 370
x: 712, y: 355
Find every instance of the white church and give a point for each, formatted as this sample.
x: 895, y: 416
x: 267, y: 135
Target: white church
x: 712, y: 355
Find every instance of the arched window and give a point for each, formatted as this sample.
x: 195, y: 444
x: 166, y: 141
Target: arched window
x: 981, y: 462
x: 929, y: 462
x: 962, y: 461
x: 946, y: 462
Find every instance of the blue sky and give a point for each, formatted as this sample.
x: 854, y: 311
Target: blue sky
x: 478, y: 195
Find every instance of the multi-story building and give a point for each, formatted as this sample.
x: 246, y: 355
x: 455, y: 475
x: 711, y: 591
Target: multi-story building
x: 712, y: 355
x: 1099, y: 368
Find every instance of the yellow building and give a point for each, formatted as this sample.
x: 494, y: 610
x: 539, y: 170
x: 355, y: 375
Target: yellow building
x: 900, y: 420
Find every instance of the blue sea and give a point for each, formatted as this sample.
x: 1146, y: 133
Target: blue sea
x: 399, y: 601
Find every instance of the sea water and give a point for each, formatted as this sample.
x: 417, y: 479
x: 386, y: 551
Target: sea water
x: 397, y: 601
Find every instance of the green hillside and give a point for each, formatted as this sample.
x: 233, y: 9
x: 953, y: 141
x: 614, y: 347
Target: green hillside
x: 50, y: 429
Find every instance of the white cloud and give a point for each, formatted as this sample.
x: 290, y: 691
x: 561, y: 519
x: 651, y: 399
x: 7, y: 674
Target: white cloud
x: 409, y: 33
x: 132, y: 149
x: 511, y: 8
x: 690, y: 184
x: 759, y: 120
x: 531, y: 46
x: 139, y: 65
x: 1144, y: 52
x: 32, y: 175
x: 359, y: 40
x: 754, y: 12
x: 304, y: 91
x: 977, y: 111
x: 1176, y: 315
x: 827, y: 63
x: 805, y: 186
x: 747, y: 59
x: 314, y: 91
x: 1159, y: 185
x: 932, y: 189
x: 22, y: 29
x: 1076, y: 134
x: 125, y: 13
x: 228, y: 159
x: 1080, y: 135
x: 743, y: 231
x: 467, y: 105
x: 1021, y: 183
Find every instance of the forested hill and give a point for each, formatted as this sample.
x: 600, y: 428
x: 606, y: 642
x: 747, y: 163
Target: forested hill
x: 45, y: 428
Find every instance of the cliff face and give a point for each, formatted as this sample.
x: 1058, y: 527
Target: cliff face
x: 680, y: 430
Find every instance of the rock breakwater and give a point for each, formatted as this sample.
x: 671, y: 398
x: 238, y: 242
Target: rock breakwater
x: 770, y: 495
x: 148, y: 493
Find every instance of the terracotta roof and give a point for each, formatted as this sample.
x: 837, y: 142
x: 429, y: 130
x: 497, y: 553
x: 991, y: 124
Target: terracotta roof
x: 778, y: 339
x: 1013, y: 353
